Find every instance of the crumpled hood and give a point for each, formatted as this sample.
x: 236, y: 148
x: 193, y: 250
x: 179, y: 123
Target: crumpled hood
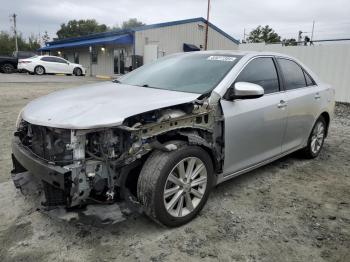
x: 99, y: 105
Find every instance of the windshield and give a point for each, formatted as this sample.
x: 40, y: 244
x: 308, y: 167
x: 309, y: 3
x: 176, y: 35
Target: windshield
x: 192, y: 72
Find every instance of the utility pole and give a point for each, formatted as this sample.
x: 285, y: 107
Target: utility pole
x: 15, y: 30
x: 312, y: 32
x: 206, y: 28
x: 90, y: 51
x: 244, y: 35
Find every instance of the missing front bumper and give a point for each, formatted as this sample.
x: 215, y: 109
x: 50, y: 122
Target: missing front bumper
x: 32, y: 174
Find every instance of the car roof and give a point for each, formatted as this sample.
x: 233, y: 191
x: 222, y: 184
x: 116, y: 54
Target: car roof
x: 41, y: 56
x: 243, y: 53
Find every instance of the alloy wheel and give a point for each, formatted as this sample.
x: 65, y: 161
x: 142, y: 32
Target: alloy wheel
x: 185, y: 187
x: 317, y: 137
x: 39, y: 70
x: 78, y: 72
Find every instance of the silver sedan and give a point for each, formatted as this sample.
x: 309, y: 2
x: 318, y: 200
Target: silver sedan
x: 163, y: 135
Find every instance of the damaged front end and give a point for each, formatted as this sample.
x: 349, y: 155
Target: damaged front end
x: 77, y: 167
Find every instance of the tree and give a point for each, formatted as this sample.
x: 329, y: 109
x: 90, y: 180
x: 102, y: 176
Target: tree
x: 289, y: 42
x: 263, y: 34
x: 116, y: 27
x: 76, y: 28
x: 33, y: 43
x: 132, y: 22
x: 45, y: 38
x: 7, y: 43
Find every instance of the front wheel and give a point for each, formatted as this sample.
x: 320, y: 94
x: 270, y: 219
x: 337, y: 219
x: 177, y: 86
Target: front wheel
x: 174, y: 186
x: 78, y: 72
x: 316, y: 139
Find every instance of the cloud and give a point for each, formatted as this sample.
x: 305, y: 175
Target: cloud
x: 286, y: 17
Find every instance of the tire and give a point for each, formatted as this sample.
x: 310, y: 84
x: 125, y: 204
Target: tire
x: 78, y: 72
x: 155, y: 180
x: 8, y: 68
x: 39, y: 70
x: 316, y: 139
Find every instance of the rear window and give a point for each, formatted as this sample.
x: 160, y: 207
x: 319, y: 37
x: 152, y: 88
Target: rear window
x: 309, y: 80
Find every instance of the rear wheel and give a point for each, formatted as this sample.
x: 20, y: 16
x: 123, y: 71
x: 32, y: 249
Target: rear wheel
x: 7, y: 68
x: 316, y: 139
x: 39, y: 70
x: 174, y: 186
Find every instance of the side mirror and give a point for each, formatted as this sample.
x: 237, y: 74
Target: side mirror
x: 244, y: 90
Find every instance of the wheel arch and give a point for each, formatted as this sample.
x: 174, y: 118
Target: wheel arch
x: 195, y: 137
x: 327, y: 118
x: 75, y: 70
x: 130, y: 175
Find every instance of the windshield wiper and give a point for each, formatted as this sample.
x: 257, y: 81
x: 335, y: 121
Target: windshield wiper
x: 116, y: 81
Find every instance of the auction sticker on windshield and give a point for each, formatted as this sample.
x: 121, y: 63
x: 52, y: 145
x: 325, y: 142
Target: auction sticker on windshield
x: 222, y: 58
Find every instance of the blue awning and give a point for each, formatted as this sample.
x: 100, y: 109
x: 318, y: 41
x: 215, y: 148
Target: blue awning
x: 116, y: 39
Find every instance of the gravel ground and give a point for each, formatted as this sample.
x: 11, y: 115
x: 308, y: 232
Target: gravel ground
x: 290, y: 210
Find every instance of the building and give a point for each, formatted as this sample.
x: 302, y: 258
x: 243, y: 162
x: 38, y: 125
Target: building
x: 117, y: 52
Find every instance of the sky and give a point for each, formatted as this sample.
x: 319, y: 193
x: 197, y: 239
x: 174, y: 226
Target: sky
x: 286, y: 17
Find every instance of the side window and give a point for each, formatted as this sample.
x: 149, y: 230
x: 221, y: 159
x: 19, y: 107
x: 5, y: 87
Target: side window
x: 261, y: 71
x: 46, y: 59
x: 292, y: 73
x: 309, y: 80
x: 59, y: 60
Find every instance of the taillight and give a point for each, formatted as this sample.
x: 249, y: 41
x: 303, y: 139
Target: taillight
x: 24, y: 62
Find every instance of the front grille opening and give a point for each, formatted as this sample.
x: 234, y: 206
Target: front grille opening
x: 47, y: 143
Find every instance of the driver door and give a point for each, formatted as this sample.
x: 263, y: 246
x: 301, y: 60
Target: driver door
x: 254, y: 128
x: 61, y: 66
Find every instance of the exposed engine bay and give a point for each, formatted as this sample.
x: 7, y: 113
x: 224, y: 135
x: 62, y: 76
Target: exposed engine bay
x: 102, y: 165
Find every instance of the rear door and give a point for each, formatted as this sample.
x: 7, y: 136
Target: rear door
x: 302, y: 98
x: 48, y: 63
x: 254, y: 128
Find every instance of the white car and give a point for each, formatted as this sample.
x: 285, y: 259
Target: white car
x: 50, y: 64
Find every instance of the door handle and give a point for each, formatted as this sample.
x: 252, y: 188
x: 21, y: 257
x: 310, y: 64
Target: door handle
x: 282, y: 104
x: 317, y: 96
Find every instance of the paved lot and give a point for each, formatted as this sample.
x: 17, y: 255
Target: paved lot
x: 26, y: 78
x: 290, y: 210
